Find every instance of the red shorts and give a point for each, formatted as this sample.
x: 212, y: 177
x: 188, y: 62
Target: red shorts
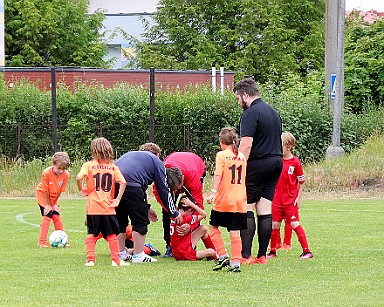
x: 289, y: 213
x: 186, y: 253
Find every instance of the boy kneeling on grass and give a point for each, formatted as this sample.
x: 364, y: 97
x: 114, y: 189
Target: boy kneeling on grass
x: 183, y: 247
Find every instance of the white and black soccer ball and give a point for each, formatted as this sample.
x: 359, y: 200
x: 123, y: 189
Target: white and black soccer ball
x: 58, y: 238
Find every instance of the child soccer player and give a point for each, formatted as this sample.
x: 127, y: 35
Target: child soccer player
x: 101, y: 174
x: 53, y: 182
x: 230, y: 205
x: 286, y: 201
x: 183, y: 247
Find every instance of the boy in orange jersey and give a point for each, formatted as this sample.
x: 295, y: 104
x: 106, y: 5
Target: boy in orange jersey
x: 101, y: 174
x: 230, y: 205
x: 286, y: 201
x: 53, y: 182
x: 183, y: 246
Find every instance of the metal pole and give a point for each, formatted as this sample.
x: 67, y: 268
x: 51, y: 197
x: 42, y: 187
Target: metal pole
x: 335, y: 150
x: 222, y: 80
x: 152, y: 104
x: 213, y: 78
x: 54, y: 109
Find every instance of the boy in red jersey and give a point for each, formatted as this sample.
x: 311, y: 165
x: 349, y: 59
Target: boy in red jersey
x: 53, y: 182
x: 230, y: 205
x: 101, y: 174
x: 286, y: 201
x: 183, y: 247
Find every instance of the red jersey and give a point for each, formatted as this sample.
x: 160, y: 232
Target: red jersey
x: 53, y: 183
x: 231, y: 193
x: 287, y: 185
x: 182, y: 243
x: 101, y: 178
x: 193, y: 169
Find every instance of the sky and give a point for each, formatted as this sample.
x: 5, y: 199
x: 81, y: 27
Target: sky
x: 365, y: 5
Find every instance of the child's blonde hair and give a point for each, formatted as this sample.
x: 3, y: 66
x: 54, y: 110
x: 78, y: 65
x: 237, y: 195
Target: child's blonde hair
x: 102, y: 150
x: 152, y: 147
x: 288, y: 139
x: 61, y: 159
x: 228, y: 136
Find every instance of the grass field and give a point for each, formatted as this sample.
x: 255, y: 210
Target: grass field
x: 347, y: 270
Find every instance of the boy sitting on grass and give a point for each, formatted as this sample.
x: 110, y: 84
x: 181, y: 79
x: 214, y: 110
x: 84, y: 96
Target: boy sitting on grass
x: 183, y: 247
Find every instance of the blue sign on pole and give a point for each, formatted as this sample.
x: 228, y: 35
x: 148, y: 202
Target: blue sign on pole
x: 333, y: 86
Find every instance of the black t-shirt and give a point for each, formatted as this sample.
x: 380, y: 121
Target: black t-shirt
x: 263, y: 124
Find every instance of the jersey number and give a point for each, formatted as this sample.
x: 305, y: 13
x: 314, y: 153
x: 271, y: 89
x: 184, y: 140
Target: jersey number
x: 233, y: 171
x: 105, y: 183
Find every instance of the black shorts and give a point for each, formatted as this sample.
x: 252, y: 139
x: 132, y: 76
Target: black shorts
x: 104, y: 224
x: 262, y: 176
x: 133, y: 205
x: 50, y: 213
x: 230, y: 220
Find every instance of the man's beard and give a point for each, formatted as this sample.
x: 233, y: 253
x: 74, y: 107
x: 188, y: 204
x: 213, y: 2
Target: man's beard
x: 244, y: 104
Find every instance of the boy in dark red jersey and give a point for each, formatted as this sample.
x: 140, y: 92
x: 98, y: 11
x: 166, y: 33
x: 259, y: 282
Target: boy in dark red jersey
x: 101, y: 174
x: 53, y: 182
x: 183, y: 247
x: 286, y: 201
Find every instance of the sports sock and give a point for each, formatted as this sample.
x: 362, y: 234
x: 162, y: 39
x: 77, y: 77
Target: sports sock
x: 57, y: 222
x: 274, y: 239
x: 90, y: 243
x: 278, y: 240
x: 166, y: 227
x: 44, y: 229
x: 114, y: 247
x: 208, y: 242
x: 247, y: 235
x: 287, y: 234
x: 264, y: 230
x: 302, y: 238
x: 236, y: 248
x: 218, y: 241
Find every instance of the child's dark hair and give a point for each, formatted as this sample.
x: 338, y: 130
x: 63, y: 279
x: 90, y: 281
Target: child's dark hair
x: 181, y: 204
x: 228, y: 136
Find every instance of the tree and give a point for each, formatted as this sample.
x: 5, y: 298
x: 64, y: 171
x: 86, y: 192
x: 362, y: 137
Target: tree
x: 46, y: 33
x: 364, y: 63
x: 266, y: 39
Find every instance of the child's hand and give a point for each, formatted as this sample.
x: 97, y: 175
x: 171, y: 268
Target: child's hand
x: 84, y: 192
x: 152, y: 216
x: 56, y: 208
x: 47, y: 209
x: 182, y: 230
x: 210, y: 197
x: 297, y: 203
x: 115, y: 202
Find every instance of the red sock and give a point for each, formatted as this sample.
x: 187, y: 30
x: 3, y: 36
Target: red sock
x: 57, y: 222
x: 90, y: 242
x: 218, y: 241
x: 278, y: 241
x: 236, y: 248
x: 302, y: 238
x: 208, y: 242
x: 44, y: 229
x: 114, y: 247
x: 274, y: 239
x: 287, y: 234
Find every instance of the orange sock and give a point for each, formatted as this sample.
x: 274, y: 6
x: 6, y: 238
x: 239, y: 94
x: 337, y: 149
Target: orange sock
x: 44, y: 229
x: 218, y: 241
x: 236, y: 247
x: 57, y: 222
x: 114, y: 247
x: 90, y: 242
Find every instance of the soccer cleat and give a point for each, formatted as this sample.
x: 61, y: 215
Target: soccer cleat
x: 261, y: 260
x: 286, y: 247
x: 168, y: 252
x: 271, y: 255
x: 122, y: 263
x: 43, y: 244
x: 142, y: 259
x: 90, y: 263
x: 152, y: 250
x: 125, y: 256
x: 306, y: 255
x: 235, y: 269
x: 248, y: 261
x: 220, y: 263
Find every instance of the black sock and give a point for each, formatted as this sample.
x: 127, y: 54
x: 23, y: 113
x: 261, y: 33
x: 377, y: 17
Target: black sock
x: 264, y: 230
x: 247, y: 235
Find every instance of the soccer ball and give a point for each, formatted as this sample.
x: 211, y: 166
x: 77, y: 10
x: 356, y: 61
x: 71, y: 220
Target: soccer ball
x: 58, y: 238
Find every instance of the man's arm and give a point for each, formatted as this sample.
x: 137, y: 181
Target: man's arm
x: 246, y: 145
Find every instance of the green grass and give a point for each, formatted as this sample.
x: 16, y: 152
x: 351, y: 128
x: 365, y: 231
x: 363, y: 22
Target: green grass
x: 347, y: 270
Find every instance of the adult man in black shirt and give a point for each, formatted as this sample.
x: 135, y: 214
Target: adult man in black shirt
x: 260, y: 132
